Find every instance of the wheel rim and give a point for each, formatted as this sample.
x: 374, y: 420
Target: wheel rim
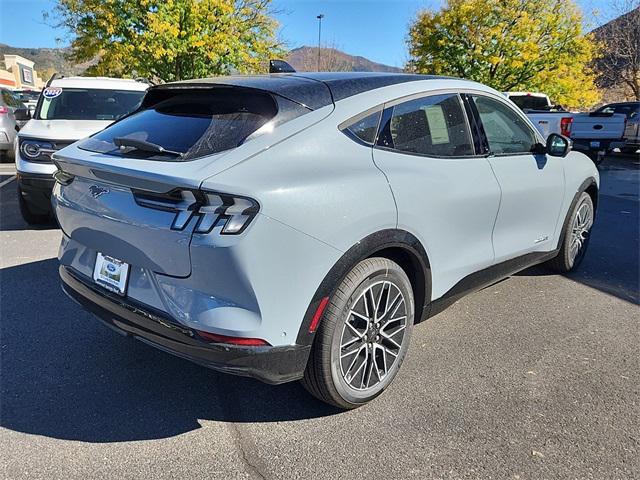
x: 580, y: 231
x: 372, y: 335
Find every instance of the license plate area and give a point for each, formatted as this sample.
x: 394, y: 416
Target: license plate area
x: 111, y: 273
x: 594, y: 144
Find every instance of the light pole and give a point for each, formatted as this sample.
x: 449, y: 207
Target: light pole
x: 319, y: 17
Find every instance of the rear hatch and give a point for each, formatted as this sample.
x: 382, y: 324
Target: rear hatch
x: 131, y: 191
x: 598, y: 126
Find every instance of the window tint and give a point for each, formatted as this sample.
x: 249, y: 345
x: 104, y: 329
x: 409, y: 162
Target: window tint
x: 10, y: 99
x: 365, y: 128
x: 506, y: 131
x: 433, y: 125
x: 89, y: 104
x: 530, y: 102
x: 190, y: 124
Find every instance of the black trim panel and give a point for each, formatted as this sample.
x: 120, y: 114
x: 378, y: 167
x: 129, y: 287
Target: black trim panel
x: 269, y: 364
x: 488, y: 276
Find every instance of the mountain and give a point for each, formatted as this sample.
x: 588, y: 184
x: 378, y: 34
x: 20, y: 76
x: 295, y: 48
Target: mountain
x: 49, y: 60
x: 46, y: 59
x: 305, y: 59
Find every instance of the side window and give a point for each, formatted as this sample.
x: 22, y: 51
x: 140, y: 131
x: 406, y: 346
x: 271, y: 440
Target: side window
x: 364, y: 128
x: 433, y: 125
x: 506, y: 131
x: 9, y: 99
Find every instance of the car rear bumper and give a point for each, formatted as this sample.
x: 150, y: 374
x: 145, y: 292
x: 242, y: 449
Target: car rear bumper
x: 36, y: 190
x: 587, y: 145
x: 266, y: 363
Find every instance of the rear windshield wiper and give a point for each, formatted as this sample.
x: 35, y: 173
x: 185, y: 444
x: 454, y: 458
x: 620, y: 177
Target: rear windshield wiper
x: 144, y: 146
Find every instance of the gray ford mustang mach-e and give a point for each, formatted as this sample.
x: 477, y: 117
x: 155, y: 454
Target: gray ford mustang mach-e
x: 297, y: 226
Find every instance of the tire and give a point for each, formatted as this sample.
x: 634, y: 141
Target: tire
x: 30, y: 217
x: 577, y: 229
x: 347, y: 366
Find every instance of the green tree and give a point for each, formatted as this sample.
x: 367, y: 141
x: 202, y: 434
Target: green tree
x: 170, y: 40
x: 532, y: 45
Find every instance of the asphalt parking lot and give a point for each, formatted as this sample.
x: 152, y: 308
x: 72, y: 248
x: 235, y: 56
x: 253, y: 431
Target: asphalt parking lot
x: 535, y: 377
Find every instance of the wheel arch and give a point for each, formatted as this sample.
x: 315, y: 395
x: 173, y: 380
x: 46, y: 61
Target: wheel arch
x: 590, y: 186
x: 397, y: 245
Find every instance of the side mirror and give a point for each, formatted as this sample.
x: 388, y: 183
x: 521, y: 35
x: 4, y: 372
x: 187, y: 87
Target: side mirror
x: 22, y: 114
x: 558, y: 145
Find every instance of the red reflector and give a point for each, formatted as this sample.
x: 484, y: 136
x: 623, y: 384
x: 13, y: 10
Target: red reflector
x: 318, y: 315
x: 247, y: 342
x: 565, y: 126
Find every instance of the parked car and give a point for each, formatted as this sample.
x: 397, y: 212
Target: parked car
x: 595, y: 134
x: 296, y: 226
x: 631, y: 110
x: 29, y: 98
x: 70, y: 109
x: 547, y: 118
x: 530, y: 100
x: 13, y: 114
x: 632, y: 135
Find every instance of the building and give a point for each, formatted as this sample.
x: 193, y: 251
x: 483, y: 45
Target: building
x: 19, y: 74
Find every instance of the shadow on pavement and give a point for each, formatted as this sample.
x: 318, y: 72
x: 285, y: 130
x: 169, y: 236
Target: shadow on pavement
x: 65, y: 375
x: 10, y: 218
x: 612, y: 262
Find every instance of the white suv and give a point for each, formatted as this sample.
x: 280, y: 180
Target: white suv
x: 69, y: 109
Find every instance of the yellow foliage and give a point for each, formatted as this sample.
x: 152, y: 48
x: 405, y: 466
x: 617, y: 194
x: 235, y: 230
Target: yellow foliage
x: 171, y: 39
x: 509, y: 45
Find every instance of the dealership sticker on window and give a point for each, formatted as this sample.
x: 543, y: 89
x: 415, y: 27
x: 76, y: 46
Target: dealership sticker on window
x: 51, y: 92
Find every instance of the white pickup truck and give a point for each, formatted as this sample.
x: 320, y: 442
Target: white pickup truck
x: 595, y: 133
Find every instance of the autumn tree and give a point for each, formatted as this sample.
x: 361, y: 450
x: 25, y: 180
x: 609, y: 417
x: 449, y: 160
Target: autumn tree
x: 619, y: 61
x: 531, y: 45
x: 170, y: 40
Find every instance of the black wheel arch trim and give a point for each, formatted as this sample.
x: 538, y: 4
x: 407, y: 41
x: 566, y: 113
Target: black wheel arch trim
x: 584, y: 187
x: 384, y: 240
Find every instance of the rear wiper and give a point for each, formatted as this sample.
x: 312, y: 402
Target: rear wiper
x: 144, y: 146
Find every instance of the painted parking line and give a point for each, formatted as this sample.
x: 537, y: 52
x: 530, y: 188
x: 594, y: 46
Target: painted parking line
x: 7, y: 181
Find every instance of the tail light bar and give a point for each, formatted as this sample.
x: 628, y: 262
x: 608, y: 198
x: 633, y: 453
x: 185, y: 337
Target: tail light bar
x: 565, y: 126
x: 233, y: 213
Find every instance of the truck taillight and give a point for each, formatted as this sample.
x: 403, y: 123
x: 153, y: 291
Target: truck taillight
x: 565, y: 126
x: 3, y: 110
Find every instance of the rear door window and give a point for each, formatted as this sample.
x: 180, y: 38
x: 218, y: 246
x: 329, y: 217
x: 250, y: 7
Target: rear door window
x: 434, y: 126
x: 186, y: 124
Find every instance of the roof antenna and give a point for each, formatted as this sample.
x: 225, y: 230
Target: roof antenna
x: 280, y: 66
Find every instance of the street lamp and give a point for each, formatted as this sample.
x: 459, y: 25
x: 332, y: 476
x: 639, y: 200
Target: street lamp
x: 319, y: 17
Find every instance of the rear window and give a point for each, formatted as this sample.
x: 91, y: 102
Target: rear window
x: 183, y: 125
x: 529, y: 102
x: 87, y: 103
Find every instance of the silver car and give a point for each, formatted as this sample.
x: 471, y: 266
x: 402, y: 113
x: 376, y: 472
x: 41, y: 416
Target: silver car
x: 13, y: 115
x: 298, y: 226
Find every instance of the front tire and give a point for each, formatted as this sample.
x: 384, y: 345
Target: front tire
x: 576, y: 237
x: 364, y: 335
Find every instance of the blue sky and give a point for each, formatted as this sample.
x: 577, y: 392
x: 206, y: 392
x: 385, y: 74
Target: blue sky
x: 375, y: 29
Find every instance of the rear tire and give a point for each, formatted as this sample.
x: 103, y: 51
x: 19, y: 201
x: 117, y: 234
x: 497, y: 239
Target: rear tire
x: 363, y: 336
x: 30, y: 217
x: 576, y: 236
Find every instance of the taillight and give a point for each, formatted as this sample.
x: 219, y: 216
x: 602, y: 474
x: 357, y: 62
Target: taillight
x: 242, y: 341
x: 230, y: 212
x: 3, y: 110
x: 565, y: 126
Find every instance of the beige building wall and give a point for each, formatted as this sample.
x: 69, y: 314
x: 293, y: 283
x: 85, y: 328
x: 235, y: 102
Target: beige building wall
x: 19, y: 73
